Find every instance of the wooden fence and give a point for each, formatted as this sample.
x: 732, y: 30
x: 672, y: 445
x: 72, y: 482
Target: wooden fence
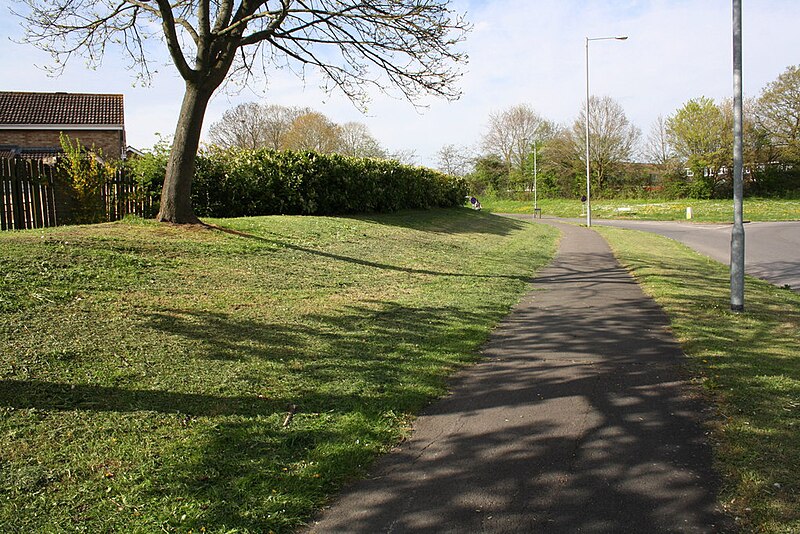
x: 122, y: 196
x: 33, y: 196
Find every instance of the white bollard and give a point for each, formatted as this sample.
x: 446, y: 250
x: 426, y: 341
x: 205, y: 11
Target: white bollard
x: 689, y: 212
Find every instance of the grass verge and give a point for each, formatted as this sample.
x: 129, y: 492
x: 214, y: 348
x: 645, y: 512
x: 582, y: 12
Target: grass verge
x: 147, y: 372
x: 755, y: 209
x: 749, y: 364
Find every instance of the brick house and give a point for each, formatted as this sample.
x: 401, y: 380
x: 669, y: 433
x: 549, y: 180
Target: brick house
x: 30, y: 123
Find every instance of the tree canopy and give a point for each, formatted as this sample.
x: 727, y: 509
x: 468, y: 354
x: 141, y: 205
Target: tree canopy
x: 511, y: 134
x: 778, y: 112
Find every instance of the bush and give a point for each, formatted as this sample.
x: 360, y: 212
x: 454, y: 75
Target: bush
x: 237, y: 183
x: 83, y: 173
x: 148, y: 170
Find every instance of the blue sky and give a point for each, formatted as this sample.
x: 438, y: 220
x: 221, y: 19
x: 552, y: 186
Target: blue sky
x: 521, y: 51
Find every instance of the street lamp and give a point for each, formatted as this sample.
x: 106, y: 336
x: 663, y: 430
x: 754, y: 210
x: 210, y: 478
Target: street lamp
x: 737, y: 232
x: 535, y: 174
x: 588, y: 176
x: 535, y: 189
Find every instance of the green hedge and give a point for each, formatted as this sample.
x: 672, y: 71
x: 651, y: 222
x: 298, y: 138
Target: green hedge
x: 237, y: 183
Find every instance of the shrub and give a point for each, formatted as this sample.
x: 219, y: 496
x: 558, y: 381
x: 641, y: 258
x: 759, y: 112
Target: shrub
x: 236, y: 183
x: 84, y: 173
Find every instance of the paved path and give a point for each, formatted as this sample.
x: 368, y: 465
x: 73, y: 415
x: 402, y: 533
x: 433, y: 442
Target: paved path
x: 578, y: 420
x: 772, y: 249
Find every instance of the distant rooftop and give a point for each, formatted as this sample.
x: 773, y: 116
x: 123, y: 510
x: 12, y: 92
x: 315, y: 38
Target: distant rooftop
x: 24, y: 108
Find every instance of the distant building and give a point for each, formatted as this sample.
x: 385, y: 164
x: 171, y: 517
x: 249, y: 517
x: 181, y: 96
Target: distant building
x: 31, y: 123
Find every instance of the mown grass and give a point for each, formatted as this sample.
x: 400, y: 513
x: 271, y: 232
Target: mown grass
x: 749, y: 364
x: 755, y: 209
x: 147, y: 371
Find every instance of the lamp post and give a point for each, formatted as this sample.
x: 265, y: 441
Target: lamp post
x: 535, y: 175
x: 588, y: 175
x: 737, y: 233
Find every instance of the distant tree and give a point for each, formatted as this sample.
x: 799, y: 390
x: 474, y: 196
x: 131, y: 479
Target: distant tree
x: 778, y: 113
x: 406, y: 156
x: 455, y: 160
x: 244, y: 126
x: 313, y: 131
x: 702, y: 137
x: 758, y: 147
x: 356, y: 140
x: 511, y: 133
x: 278, y: 121
x: 562, y: 163
x: 489, y: 175
x: 658, y: 149
x: 613, y: 141
x: 409, y: 45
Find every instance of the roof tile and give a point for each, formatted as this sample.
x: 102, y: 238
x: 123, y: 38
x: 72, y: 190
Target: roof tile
x: 60, y: 108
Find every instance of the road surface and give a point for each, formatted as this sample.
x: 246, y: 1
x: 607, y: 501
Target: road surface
x: 772, y: 249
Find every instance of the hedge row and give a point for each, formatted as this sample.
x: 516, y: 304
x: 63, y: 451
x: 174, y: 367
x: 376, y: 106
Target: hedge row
x: 237, y: 183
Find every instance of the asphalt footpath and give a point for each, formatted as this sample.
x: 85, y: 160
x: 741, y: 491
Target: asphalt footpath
x: 579, y: 419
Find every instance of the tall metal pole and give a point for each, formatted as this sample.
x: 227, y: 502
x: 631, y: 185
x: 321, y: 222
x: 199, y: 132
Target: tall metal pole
x: 588, y: 176
x: 535, y: 174
x: 737, y: 234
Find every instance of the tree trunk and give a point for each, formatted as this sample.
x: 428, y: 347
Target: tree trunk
x: 176, y: 195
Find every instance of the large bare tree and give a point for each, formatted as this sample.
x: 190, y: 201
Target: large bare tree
x: 658, y: 148
x: 614, y: 139
x: 511, y: 134
x: 356, y: 140
x: 408, y: 45
x: 455, y: 160
x: 242, y: 126
x: 253, y: 125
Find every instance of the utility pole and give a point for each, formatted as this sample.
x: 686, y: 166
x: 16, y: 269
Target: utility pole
x: 737, y: 234
x: 588, y: 168
x: 535, y: 176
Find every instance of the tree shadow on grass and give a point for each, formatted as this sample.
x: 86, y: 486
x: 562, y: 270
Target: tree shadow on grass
x: 23, y: 394
x: 357, y: 372
x: 448, y: 221
x: 362, y: 262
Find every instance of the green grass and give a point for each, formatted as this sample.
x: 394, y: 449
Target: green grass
x: 749, y: 364
x: 146, y: 370
x: 755, y: 209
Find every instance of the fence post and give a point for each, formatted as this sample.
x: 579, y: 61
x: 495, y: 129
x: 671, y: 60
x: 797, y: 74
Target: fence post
x: 16, y: 195
x: 37, y: 214
x: 5, y: 174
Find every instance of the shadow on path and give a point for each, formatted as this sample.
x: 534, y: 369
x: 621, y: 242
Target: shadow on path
x: 578, y: 420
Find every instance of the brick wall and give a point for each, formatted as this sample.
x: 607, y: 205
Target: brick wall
x: 112, y: 142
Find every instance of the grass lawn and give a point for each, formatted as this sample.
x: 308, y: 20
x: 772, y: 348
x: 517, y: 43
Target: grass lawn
x: 749, y: 364
x: 755, y: 209
x: 147, y: 371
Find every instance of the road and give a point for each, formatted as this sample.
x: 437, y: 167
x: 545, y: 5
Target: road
x: 772, y: 249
